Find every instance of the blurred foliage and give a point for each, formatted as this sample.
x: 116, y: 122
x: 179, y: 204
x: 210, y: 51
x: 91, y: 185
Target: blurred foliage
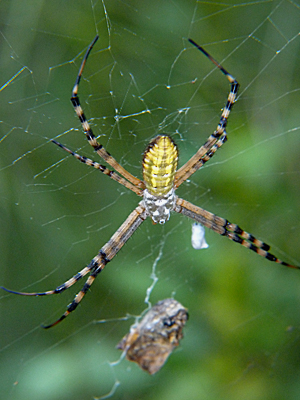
x: 143, y: 78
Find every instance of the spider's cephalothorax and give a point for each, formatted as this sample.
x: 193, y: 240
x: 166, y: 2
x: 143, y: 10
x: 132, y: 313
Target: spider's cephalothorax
x: 159, y: 168
x: 161, y: 179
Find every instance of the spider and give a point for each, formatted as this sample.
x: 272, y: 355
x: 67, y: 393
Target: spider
x: 160, y: 181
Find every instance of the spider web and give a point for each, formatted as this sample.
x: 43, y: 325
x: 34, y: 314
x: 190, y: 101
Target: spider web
x: 143, y: 78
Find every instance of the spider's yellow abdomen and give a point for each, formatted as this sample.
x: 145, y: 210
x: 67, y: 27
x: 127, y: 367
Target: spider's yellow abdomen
x: 159, y: 165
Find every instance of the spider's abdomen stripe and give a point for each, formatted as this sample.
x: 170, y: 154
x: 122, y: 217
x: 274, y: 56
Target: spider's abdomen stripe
x: 159, y: 165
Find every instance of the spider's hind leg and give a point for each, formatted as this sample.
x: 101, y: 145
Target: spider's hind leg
x: 225, y: 228
x: 70, y: 282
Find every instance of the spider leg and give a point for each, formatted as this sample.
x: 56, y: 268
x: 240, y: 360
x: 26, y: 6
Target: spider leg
x: 59, y: 288
x: 226, y: 228
x: 112, y: 174
x: 196, y: 161
x: 206, y: 157
x: 88, y: 130
x: 106, y: 254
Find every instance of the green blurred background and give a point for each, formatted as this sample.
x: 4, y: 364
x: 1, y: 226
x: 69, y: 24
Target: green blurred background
x: 242, y: 340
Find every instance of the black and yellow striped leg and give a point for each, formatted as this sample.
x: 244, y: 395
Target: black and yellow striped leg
x: 209, y: 154
x: 226, y: 228
x: 60, y: 288
x: 112, y: 174
x: 72, y: 306
x: 106, y: 254
x: 214, y: 141
x: 88, y: 130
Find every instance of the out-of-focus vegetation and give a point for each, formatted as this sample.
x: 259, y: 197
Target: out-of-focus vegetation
x: 143, y: 78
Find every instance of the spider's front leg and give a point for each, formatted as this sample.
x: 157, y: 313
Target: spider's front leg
x: 219, y: 137
x: 100, y: 150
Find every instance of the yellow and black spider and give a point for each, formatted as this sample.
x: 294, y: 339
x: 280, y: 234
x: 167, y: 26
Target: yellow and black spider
x: 160, y: 181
